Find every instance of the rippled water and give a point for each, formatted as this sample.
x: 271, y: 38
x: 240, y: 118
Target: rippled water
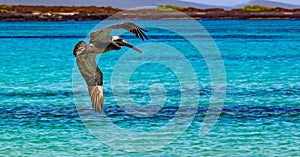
x: 260, y: 117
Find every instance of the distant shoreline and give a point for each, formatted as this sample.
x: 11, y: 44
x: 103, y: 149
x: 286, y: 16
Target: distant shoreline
x: 74, y: 13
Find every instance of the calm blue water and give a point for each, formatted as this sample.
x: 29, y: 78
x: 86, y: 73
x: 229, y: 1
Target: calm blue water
x: 261, y: 114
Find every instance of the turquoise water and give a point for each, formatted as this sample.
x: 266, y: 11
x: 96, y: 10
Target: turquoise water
x: 261, y: 111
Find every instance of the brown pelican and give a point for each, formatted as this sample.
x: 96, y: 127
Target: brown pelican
x: 101, y: 42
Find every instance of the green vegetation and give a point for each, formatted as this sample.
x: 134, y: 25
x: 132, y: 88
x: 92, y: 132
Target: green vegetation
x: 257, y: 8
x: 5, y: 8
x: 108, y: 7
x: 112, y: 8
x: 4, y: 11
x: 169, y: 8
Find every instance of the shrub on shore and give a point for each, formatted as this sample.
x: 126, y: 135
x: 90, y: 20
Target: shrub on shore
x: 169, y: 7
x: 257, y: 8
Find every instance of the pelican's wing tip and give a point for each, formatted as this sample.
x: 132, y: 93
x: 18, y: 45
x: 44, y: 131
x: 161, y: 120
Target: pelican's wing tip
x: 78, y: 48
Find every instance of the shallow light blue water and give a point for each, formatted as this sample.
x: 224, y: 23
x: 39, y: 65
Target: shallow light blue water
x: 260, y: 117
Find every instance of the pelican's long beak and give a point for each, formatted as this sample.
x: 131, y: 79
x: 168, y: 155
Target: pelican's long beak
x: 125, y: 43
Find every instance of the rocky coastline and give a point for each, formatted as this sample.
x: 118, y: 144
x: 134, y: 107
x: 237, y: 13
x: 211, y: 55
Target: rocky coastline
x: 56, y: 13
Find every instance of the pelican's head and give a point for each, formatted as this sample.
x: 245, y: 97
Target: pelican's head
x: 119, y: 41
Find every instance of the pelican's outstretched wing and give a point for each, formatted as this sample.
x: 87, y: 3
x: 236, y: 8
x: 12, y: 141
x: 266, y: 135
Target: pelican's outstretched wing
x: 103, y: 34
x: 91, y: 73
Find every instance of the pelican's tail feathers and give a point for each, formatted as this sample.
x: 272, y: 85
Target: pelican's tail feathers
x: 78, y: 48
x: 96, y: 93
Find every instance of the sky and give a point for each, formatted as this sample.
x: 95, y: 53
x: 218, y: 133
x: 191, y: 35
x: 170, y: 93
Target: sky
x: 61, y: 2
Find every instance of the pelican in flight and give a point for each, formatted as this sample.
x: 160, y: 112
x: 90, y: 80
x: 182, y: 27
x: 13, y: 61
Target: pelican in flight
x: 101, y: 42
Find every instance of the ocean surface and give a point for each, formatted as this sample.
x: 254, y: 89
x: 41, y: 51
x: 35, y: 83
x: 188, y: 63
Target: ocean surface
x: 42, y: 113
